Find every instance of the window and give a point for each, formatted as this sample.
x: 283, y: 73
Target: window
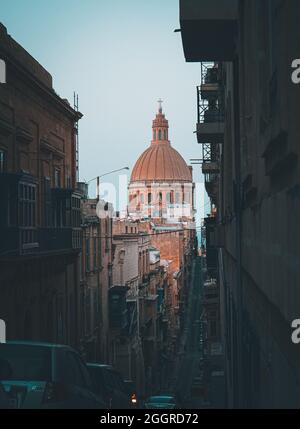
x: 149, y: 198
x: 76, y: 212
x: 48, y: 202
x: 168, y: 197
x: 165, y: 134
x: 95, y: 252
x: 159, y: 135
x: 177, y: 197
x: 2, y: 161
x: 87, y: 254
x: 27, y: 205
x: 27, y: 363
x: 142, y: 198
x: 154, y: 135
x: 72, y: 372
x: 57, y: 183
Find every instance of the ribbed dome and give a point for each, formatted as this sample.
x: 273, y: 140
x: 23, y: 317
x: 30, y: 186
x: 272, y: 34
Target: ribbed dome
x: 161, y: 162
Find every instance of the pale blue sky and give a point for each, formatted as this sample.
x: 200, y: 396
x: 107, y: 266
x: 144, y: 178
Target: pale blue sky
x: 120, y: 56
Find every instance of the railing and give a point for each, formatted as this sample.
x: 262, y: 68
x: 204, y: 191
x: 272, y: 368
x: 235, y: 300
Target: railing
x: 209, y: 112
x: 19, y: 241
x: 57, y: 239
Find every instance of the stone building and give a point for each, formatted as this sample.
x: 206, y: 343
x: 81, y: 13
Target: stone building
x: 40, y: 208
x: 161, y: 184
x: 96, y: 279
x: 161, y: 196
x: 138, y: 300
x: 248, y: 122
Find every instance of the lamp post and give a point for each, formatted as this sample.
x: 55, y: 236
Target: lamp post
x: 102, y: 175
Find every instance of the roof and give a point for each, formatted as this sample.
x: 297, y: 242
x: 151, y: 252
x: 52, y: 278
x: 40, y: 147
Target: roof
x: 160, y: 162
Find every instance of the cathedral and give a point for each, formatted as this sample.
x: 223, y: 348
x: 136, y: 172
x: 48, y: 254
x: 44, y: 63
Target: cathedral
x: 161, y: 184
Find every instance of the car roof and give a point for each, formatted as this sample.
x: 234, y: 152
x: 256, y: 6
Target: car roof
x: 161, y: 397
x: 37, y: 344
x: 99, y: 365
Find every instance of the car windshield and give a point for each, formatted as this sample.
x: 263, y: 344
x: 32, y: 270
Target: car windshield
x: 162, y: 399
x: 25, y: 362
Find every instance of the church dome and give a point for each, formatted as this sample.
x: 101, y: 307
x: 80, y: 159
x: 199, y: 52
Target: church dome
x: 160, y: 162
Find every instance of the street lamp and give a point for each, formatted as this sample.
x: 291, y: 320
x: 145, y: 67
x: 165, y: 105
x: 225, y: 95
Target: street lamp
x: 102, y: 175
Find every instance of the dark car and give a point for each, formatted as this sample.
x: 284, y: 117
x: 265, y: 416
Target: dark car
x: 109, y: 384
x: 5, y: 402
x: 164, y: 402
x: 42, y: 375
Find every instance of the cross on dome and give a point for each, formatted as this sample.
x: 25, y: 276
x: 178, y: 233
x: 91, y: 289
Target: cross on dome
x: 160, y: 105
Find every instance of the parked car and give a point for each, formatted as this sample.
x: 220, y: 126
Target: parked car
x: 5, y: 371
x: 164, y: 402
x: 42, y: 375
x: 109, y: 384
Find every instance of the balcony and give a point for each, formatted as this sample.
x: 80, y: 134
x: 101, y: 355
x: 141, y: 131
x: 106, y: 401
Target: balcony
x: 211, y: 294
x: 209, y: 29
x: 210, y: 87
x: 212, y: 186
x: 118, y: 307
x: 25, y: 241
x: 210, y: 126
x: 211, y: 167
x: 59, y: 239
x: 16, y: 241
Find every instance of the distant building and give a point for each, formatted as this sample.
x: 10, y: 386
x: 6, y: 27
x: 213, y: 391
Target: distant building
x: 161, y: 197
x: 161, y: 184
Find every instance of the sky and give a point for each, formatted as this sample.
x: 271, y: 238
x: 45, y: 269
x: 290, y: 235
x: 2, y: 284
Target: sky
x: 120, y: 56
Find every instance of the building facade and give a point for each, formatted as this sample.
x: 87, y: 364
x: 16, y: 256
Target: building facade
x: 40, y: 208
x: 252, y: 176
x: 96, y: 279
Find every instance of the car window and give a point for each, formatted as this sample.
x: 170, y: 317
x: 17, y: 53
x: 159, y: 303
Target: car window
x: 25, y: 362
x: 71, y: 370
x: 96, y: 374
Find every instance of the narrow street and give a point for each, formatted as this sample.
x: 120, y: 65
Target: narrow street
x: 190, y: 356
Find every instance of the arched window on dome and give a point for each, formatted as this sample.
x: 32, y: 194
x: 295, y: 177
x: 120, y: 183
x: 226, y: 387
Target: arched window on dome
x: 159, y: 135
x: 165, y: 134
x: 154, y: 134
